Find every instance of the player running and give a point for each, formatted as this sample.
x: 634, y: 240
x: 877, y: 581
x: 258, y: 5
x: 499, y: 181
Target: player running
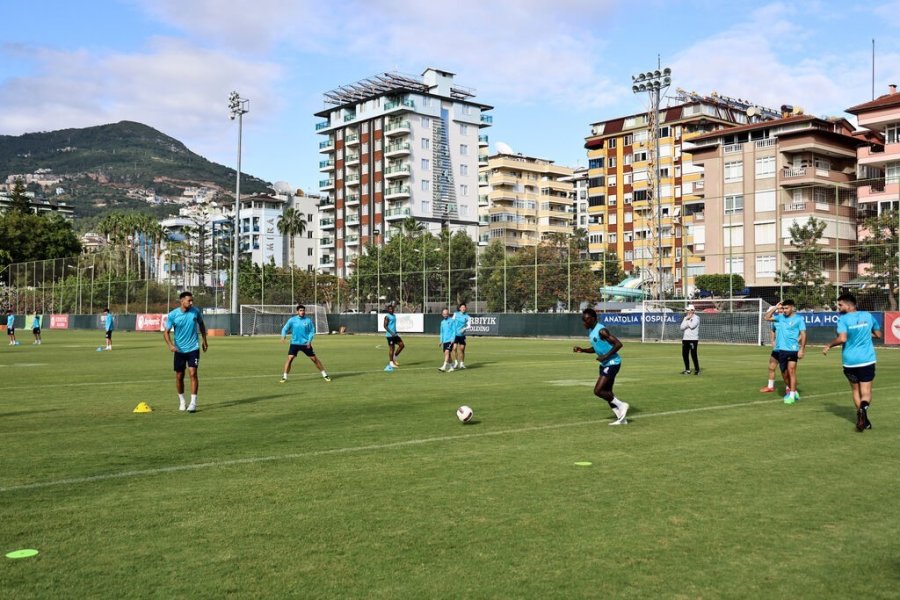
x: 461, y: 318
x: 790, y: 345
x: 302, y: 330
x: 394, y: 343
x: 36, y: 329
x: 856, y: 329
x: 448, y: 334
x: 773, y: 358
x: 109, y: 324
x: 606, y: 346
x: 185, y: 321
x: 11, y: 328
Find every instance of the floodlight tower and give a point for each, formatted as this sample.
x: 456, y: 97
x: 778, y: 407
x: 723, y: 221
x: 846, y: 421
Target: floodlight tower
x: 238, y: 107
x: 653, y: 82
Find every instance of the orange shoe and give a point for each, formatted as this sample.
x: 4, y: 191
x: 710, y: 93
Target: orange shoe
x: 766, y: 390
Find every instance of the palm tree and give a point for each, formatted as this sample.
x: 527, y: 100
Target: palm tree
x: 292, y: 224
x: 411, y: 225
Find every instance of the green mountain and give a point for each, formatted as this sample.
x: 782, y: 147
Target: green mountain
x: 115, y: 167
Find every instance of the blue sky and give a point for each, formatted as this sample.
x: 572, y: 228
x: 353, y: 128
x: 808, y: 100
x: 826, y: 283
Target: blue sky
x: 550, y: 69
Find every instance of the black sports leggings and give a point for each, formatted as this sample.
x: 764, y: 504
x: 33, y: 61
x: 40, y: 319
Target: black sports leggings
x: 689, y: 346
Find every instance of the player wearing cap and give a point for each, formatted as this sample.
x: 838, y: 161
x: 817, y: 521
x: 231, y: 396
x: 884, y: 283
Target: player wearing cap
x: 690, y: 337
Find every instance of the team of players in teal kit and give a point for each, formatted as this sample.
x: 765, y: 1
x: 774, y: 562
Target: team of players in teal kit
x: 856, y: 331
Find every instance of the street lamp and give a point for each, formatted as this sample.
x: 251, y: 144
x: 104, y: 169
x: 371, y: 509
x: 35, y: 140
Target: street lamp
x: 238, y: 107
x: 653, y: 82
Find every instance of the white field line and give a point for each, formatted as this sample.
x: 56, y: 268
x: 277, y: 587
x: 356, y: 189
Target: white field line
x: 376, y: 447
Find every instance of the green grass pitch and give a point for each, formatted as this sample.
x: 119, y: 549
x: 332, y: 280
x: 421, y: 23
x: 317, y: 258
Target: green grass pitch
x: 369, y: 487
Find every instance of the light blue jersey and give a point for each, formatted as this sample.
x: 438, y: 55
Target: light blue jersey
x: 36, y: 322
x: 390, y: 329
x: 462, y: 322
x: 302, y: 330
x: 10, y: 321
x: 601, y: 346
x: 787, y: 332
x: 185, y: 323
x: 448, y: 330
x: 859, y: 351
x: 109, y: 323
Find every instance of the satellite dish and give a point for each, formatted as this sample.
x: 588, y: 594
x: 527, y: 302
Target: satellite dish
x: 503, y: 148
x: 752, y: 111
x: 283, y: 187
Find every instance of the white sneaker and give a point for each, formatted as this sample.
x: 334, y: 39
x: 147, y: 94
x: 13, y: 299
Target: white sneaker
x: 192, y: 407
x: 181, y: 406
x: 443, y: 368
x: 624, y: 410
x: 395, y: 365
x: 451, y: 369
x: 616, y: 412
x: 620, y: 421
x: 462, y: 365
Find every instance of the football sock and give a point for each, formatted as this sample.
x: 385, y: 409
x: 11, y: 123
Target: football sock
x: 324, y: 374
x: 864, y: 405
x: 181, y: 398
x: 284, y: 375
x: 771, y: 383
x: 193, y: 399
x: 615, y: 402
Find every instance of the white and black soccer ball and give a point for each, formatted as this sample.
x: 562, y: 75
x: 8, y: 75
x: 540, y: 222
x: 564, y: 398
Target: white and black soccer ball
x: 464, y: 414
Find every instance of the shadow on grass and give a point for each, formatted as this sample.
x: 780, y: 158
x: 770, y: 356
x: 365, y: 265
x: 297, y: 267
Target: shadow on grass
x: 240, y: 402
x: 472, y: 423
x: 843, y: 411
x: 28, y: 412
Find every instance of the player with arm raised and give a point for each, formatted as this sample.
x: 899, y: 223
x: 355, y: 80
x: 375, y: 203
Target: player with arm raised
x: 394, y: 343
x: 302, y: 330
x: 773, y: 358
x: 186, y: 321
x: 461, y: 318
x: 606, y: 346
x: 790, y: 345
x: 856, y: 329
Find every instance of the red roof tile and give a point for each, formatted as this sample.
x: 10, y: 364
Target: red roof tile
x: 879, y: 102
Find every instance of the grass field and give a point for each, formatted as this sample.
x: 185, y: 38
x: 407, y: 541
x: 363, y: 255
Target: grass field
x: 369, y: 487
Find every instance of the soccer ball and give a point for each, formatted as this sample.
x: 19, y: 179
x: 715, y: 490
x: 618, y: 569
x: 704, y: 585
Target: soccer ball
x: 464, y: 414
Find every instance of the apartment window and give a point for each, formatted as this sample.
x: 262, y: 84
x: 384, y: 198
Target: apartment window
x: 641, y: 195
x: 627, y: 236
x: 764, y: 233
x: 426, y: 207
x: 596, y: 181
x: 426, y: 143
x: 612, y: 162
x: 596, y: 238
x: 463, y: 129
x: 611, y: 143
x: 426, y: 122
x: 309, y: 251
x: 765, y: 266
x: 365, y: 127
x: 426, y: 164
x: 613, y: 219
x: 463, y: 190
x: 611, y: 181
x: 765, y: 166
x: 463, y: 169
x: 309, y: 235
x: 627, y: 159
x: 664, y: 172
x: 640, y: 156
x: 765, y: 200
x: 734, y: 171
x: 426, y: 185
x: 734, y: 265
x: 463, y: 149
x: 628, y: 140
x: 664, y: 132
x: 596, y: 200
x: 595, y: 163
x: 626, y: 179
x: 892, y: 133
x: 892, y: 173
x: 734, y: 235
x: 629, y: 217
x: 734, y: 204
x: 463, y: 210
x: 612, y: 238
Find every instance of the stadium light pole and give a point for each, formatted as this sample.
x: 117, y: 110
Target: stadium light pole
x: 238, y: 107
x: 653, y: 82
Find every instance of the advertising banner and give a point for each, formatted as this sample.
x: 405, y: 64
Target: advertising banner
x: 406, y: 322
x: 892, y: 328
x: 489, y: 325
x: 59, y: 321
x: 152, y: 322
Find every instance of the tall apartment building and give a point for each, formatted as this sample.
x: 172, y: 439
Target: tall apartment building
x: 580, y: 180
x: 622, y: 211
x: 879, y: 162
x: 759, y: 180
x: 396, y: 147
x: 523, y: 199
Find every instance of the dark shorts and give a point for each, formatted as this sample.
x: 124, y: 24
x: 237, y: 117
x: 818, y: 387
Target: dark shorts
x: 447, y: 345
x: 609, y: 373
x: 11, y: 331
x: 393, y: 339
x: 190, y: 360
x: 860, y: 374
x: 774, y: 354
x: 784, y: 357
x: 109, y: 335
x: 295, y: 349
x: 36, y: 331
x: 460, y: 340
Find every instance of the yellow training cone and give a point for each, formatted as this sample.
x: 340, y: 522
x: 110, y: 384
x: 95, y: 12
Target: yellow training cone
x: 143, y: 407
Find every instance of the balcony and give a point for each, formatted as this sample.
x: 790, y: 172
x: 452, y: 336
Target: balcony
x: 397, y: 149
x: 879, y: 156
x: 323, y: 125
x: 766, y: 143
x: 393, y: 214
x: 396, y: 191
x: 326, y: 260
x: 732, y: 148
x: 326, y: 184
x: 395, y: 171
x: 351, y: 200
x: 326, y: 242
x: 791, y: 176
x: 483, y: 200
x: 482, y: 179
x: 351, y: 159
x: 326, y: 165
x: 351, y: 220
x: 352, y: 240
x: 487, y: 119
x: 396, y: 128
x: 351, y: 139
x: 352, y: 179
x: 482, y: 160
x: 326, y: 203
x: 482, y: 140
x: 327, y: 223
x: 349, y: 117
x: 327, y: 145
x: 399, y: 105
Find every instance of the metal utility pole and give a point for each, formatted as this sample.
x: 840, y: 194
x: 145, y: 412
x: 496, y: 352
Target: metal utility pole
x: 238, y: 107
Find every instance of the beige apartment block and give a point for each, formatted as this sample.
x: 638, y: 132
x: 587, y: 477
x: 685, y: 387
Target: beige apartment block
x: 523, y: 200
x: 759, y: 180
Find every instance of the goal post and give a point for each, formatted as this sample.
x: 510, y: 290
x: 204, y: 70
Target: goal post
x: 729, y: 321
x: 268, y: 319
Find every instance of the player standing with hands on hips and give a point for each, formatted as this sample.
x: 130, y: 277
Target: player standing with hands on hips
x: 606, y: 346
x: 302, y: 330
x: 856, y: 329
x: 690, y: 337
x: 394, y: 343
x: 185, y: 321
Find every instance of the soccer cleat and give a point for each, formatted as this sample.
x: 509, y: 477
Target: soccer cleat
x: 326, y: 377
x: 796, y: 396
x: 451, y: 369
x: 442, y: 368
x: 394, y: 364
x: 623, y: 411
x: 686, y: 372
x: 192, y: 408
x: 620, y: 421
x: 616, y: 412
x: 788, y: 398
x: 861, y: 420
x: 389, y: 369
x: 697, y: 372
x: 181, y: 407
x: 461, y: 366
x: 282, y: 380
x: 766, y: 390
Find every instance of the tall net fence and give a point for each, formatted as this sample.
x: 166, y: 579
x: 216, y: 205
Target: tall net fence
x: 268, y: 319
x: 727, y: 321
